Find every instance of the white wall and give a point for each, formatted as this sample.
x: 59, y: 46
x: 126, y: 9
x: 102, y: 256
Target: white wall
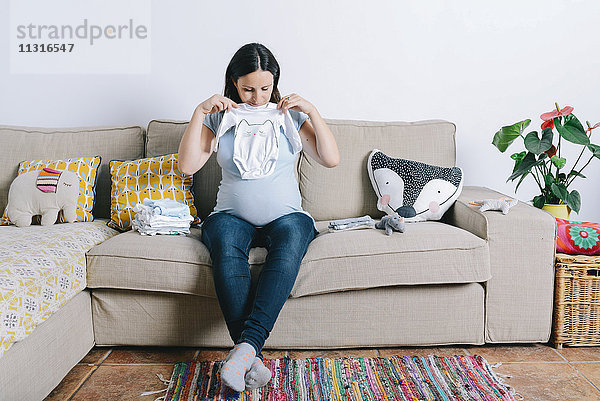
x: 479, y: 64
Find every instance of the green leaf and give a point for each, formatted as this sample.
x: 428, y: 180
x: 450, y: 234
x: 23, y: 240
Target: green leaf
x: 574, y: 201
x: 506, y: 135
x: 524, y: 167
x: 547, y: 137
x: 536, y: 145
x: 595, y: 149
x: 559, y: 162
x: 560, y: 191
x: 521, y: 180
x: 577, y: 173
x: 539, y: 201
x: 572, y: 130
x: 517, y: 157
x: 548, y: 179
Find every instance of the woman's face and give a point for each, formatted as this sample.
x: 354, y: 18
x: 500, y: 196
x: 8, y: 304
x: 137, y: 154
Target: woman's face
x: 255, y: 88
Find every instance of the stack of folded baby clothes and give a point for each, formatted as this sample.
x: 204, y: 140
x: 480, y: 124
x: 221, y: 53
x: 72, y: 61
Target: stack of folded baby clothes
x: 162, y: 216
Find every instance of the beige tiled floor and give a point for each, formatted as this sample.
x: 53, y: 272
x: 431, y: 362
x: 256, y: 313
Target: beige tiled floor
x: 538, y: 371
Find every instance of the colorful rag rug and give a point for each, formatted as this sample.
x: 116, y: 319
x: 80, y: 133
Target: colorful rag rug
x: 395, y: 378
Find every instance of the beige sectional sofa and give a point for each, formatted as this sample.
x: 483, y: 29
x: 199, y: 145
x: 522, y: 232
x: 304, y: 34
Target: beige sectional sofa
x: 472, y: 278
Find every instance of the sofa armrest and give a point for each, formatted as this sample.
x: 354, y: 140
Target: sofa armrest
x: 522, y: 245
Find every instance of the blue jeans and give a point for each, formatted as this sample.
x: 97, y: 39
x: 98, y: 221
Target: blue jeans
x: 229, y: 239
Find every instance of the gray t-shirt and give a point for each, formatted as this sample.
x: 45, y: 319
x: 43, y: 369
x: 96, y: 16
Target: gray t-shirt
x: 258, y: 201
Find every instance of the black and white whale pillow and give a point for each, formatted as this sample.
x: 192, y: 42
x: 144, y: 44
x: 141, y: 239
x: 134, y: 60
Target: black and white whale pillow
x: 416, y: 191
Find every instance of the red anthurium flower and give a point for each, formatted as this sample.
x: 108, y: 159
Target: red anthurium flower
x: 548, y: 124
x: 551, y: 152
x: 591, y: 128
x: 557, y: 113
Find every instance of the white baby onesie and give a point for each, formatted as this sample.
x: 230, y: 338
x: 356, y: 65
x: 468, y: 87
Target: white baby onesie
x: 256, y: 143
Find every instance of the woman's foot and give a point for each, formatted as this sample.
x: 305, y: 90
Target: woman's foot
x: 238, y: 362
x: 258, y: 375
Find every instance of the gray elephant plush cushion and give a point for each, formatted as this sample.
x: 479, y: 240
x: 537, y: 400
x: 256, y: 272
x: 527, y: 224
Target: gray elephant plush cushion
x: 43, y: 192
x: 416, y: 191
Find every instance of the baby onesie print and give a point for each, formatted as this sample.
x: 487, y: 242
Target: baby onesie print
x: 255, y: 149
x: 256, y: 143
x: 258, y: 201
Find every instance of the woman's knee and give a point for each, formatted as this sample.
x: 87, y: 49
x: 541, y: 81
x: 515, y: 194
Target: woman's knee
x: 292, y: 233
x: 293, y: 223
x: 227, y: 235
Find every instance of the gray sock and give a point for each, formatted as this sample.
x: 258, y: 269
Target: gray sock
x: 258, y: 375
x: 236, y: 365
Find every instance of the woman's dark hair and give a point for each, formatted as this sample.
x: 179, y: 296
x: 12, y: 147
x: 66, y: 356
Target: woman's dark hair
x: 249, y: 58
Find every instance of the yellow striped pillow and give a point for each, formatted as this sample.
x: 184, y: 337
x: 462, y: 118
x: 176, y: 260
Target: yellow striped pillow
x: 155, y: 178
x: 87, y: 170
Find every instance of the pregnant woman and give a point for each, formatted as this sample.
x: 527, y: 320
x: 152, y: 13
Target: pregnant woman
x: 257, y: 135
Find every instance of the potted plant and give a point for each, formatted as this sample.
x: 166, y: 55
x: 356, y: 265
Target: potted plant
x: 542, y: 158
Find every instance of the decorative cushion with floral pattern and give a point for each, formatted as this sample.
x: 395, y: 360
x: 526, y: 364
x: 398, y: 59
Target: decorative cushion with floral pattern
x: 577, y: 237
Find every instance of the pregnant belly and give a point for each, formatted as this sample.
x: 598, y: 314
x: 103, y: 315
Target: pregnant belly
x: 259, y: 207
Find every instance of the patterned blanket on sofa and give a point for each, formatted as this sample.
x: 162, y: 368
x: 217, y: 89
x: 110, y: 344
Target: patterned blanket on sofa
x: 41, y: 268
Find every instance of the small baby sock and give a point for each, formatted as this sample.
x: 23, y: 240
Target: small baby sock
x: 258, y: 375
x: 234, y: 369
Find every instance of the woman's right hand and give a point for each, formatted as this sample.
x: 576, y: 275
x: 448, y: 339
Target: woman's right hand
x: 216, y: 103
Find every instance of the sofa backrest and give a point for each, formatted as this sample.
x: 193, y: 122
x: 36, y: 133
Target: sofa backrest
x: 327, y: 193
x: 345, y: 190
x: 340, y: 192
x: 111, y: 143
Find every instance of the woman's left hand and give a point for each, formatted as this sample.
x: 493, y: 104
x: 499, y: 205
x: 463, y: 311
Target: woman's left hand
x: 295, y: 102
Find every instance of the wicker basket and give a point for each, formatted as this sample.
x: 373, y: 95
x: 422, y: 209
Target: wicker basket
x: 577, y: 300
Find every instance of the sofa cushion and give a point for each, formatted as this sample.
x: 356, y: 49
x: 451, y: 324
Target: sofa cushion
x: 414, y: 190
x: 86, y: 169
x: 430, y: 142
x: 427, y: 253
x: 110, y: 143
x: 41, y: 268
x: 153, y: 178
x: 164, y: 263
x: 577, y: 237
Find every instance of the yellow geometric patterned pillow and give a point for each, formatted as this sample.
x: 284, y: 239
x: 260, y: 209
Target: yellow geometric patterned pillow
x: 87, y: 170
x: 155, y: 178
